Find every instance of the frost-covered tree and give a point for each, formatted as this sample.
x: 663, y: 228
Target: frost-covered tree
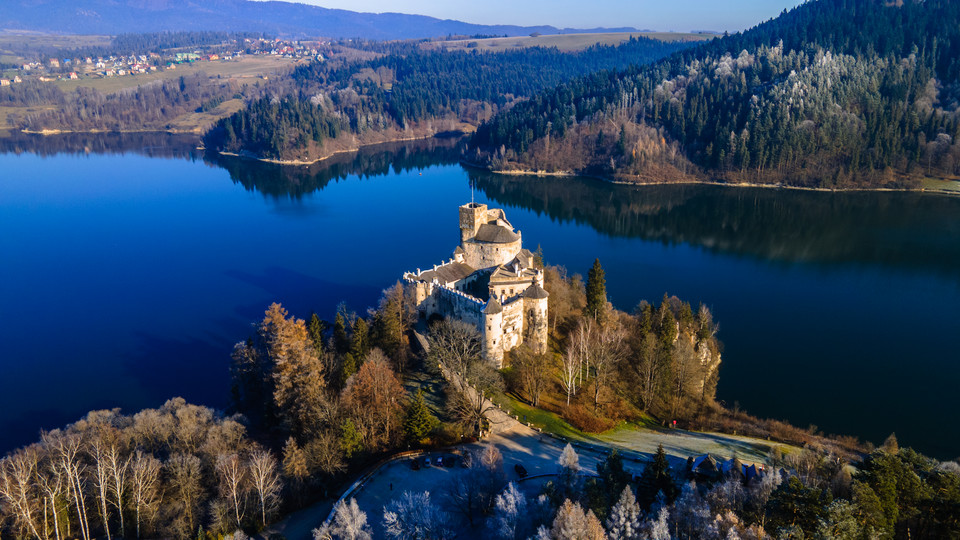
x: 414, y: 516
x: 624, y: 520
x: 349, y: 523
x: 509, y: 519
x: 691, y: 514
x: 568, y: 477
x: 659, y: 528
x: 571, y: 523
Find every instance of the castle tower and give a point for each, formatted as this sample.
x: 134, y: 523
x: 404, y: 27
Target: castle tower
x: 472, y: 215
x: 535, y: 316
x: 492, y: 332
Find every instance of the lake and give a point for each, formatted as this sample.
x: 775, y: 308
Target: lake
x: 132, y: 264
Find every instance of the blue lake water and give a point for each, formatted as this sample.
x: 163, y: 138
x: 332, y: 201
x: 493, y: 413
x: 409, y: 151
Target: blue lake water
x: 128, y: 271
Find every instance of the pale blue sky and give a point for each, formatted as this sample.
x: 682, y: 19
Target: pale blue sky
x: 674, y: 15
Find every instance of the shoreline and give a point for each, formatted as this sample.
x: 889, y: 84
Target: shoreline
x: 569, y: 174
x: 243, y: 155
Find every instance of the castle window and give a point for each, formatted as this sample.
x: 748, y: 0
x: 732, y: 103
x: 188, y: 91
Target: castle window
x: 511, y: 291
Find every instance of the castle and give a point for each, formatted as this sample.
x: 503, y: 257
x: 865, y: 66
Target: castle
x: 491, y: 283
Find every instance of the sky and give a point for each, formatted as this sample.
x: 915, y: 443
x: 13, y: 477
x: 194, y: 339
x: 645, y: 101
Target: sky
x: 668, y: 15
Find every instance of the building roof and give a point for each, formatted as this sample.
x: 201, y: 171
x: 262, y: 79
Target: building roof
x: 458, y: 251
x: 448, y: 273
x: 535, y: 292
x: 495, y: 234
x: 493, y: 307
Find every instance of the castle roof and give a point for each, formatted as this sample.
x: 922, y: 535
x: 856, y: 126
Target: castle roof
x: 458, y: 251
x: 535, y: 292
x: 448, y: 273
x: 495, y: 234
x: 493, y: 307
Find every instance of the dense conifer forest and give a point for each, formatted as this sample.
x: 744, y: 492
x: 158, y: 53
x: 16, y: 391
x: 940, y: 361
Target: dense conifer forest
x: 833, y: 93
x: 408, y: 91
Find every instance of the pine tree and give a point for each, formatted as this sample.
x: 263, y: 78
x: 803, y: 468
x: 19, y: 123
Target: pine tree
x: 316, y: 328
x: 360, y: 340
x: 419, y: 422
x: 351, y: 441
x: 656, y: 478
x: 596, y: 292
x: 348, y: 367
x: 340, y: 341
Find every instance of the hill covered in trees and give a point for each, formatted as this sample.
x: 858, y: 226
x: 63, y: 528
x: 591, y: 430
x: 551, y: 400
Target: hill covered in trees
x: 325, y: 107
x: 287, y: 18
x: 834, y: 93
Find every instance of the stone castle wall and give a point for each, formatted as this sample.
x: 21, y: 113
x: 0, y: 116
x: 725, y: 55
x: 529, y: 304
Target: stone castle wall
x: 435, y: 299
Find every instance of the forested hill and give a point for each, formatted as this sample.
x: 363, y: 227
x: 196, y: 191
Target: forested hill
x: 276, y: 17
x: 409, y: 93
x: 833, y: 93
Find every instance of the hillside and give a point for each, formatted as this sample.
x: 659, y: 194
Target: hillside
x: 835, y: 93
x: 280, y: 18
x: 323, y: 108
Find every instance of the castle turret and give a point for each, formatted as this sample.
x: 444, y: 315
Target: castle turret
x: 492, y: 332
x: 535, y: 316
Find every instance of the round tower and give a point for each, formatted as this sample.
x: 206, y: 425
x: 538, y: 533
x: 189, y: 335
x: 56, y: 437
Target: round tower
x: 492, y: 332
x: 535, y: 316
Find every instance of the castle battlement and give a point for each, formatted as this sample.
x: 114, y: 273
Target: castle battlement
x: 491, y: 282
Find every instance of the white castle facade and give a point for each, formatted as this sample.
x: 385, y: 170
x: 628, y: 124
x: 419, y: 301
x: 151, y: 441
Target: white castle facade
x: 491, y: 282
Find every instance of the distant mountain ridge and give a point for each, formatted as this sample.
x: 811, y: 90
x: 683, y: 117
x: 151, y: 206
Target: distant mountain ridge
x: 280, y: 18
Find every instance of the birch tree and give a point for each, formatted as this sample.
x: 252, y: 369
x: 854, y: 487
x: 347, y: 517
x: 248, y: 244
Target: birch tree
x: 265, y: 479
x: 117, y: 468
x: 232, y: 474
x: 17, y: 473
x: 144, y: 487
x: 101, y: 480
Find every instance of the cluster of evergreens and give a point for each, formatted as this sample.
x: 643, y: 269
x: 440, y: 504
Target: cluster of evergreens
x: 142, y: 43
x: 409, y: 87
x: 833, y: 92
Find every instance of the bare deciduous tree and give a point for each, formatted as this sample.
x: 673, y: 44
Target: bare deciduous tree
x: 265, y: 479
x: 184, y: 472
x: 144, y: 487
x: 413, y: 515
x: 17, y: 474
x: 232, y: 473
x: 349, y: 523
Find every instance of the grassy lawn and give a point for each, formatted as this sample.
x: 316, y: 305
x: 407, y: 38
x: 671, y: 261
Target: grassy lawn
x: 545, y: 420
x: 941, y: 185
x: 564, y: 42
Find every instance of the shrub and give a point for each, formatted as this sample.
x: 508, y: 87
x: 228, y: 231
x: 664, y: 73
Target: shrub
x: 585, y: 420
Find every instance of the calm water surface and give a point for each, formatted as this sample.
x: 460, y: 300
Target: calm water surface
x: 131, y: 265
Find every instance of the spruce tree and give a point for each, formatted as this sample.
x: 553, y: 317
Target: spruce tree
x: 596, y: 292
x: 656, y: 478
x: 316, y: 328
x: 340, y: 341
x: 419, y: 422
x: 360, y: 340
